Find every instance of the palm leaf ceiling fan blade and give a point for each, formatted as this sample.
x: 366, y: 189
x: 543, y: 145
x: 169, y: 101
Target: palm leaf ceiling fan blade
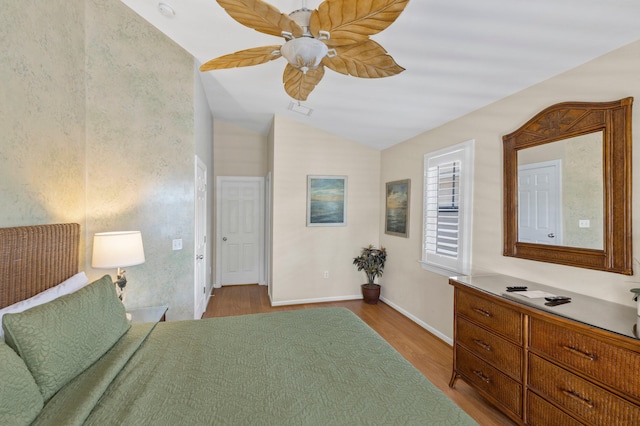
x: 260, y: 16
x: 243, y: 58
x: 351, y: 21
x: 299, y: 85
x: 366, y: 59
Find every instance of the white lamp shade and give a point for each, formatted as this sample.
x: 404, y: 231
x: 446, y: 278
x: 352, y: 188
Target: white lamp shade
x: 117, y: 249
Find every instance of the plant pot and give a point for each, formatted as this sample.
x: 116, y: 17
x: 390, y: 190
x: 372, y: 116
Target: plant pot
x: 371, y: 293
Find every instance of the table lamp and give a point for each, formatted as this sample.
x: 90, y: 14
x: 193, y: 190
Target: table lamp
x: 117, y: 250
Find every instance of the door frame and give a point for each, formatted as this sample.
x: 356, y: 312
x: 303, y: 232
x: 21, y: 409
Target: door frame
x: 267, y: 234
x: 261, y: 224
x: 198, y: 308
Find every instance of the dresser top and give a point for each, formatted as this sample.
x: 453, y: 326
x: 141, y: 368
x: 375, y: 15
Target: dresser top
x: 609, y: 316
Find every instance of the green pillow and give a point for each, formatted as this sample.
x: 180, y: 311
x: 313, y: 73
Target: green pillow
x: 20, y: 398
x: 60, y: 339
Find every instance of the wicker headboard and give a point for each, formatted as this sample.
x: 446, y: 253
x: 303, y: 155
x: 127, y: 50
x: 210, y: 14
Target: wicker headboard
x: 35, y: 258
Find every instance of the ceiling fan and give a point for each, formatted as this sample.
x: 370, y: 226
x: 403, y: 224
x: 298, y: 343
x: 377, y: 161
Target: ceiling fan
x: 336, y: 36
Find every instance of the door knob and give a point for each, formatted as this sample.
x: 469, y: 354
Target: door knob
x: 551, y: 235
x: 224, y: 238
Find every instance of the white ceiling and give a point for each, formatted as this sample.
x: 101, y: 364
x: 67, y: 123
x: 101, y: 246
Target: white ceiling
x: 459, y: 55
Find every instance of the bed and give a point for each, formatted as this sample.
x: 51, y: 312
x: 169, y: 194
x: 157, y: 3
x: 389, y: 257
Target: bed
x: 76, y: 360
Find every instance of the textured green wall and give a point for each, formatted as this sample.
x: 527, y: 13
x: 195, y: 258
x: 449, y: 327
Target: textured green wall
x: 42, y: 150
x: 97, y: 118
x: 140, y: 148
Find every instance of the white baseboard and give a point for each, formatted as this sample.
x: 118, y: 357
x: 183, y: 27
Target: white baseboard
x: 320, y: 300
x: 418, y: 321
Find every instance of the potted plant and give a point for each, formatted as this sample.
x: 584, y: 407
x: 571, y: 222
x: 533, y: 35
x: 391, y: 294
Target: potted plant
x: 371, y: 261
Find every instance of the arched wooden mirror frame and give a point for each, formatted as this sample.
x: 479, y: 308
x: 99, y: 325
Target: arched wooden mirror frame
x: 562, y: 121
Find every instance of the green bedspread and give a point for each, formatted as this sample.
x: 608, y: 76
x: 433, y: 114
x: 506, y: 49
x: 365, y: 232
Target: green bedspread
x: 319, y: 366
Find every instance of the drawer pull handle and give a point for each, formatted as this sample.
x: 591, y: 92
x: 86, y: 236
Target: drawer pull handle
x: 483, y: 312
x: 576, y: 351
x: 483, y: 345
x: 482, y: 376
x: 577, y: 397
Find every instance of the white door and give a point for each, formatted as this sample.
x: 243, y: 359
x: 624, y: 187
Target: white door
x: 539, y: 203
x: 200, y: 285
x: 240, y: 244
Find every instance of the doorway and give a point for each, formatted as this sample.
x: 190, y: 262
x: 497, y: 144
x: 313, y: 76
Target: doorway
x: 240, y: 230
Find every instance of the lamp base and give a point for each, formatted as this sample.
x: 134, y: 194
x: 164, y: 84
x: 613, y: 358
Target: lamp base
x: 121, y: 292
x: 121, y: 284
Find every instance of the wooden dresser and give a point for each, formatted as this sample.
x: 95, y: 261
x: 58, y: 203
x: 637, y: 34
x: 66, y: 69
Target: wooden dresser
x: 571, y: 364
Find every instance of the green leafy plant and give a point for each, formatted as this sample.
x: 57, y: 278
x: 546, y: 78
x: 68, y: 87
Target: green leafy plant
x: 371, y: 261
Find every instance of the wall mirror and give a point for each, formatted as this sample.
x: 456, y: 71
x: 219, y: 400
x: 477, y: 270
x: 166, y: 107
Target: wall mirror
x: 567, y: 186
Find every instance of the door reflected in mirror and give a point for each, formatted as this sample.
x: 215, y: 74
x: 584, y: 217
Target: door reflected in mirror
x: 560, y: 193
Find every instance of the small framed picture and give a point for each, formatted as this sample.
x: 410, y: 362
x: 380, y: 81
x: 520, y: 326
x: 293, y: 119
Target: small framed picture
x: 397, y: 202
x: 326, y: 200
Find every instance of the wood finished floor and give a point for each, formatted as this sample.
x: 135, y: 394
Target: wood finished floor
x: 427, y: 353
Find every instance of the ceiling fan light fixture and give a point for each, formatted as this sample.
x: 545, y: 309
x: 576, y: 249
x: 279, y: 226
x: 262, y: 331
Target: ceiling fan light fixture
x: 304, y: 53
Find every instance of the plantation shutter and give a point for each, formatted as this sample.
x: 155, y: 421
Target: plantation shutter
x: 443, y: 225
x: 445, y: 238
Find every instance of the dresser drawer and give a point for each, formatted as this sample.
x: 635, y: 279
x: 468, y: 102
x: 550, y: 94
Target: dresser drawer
x: 497, y: 317
x: 543, y: 413
x: 494, y: 349
x: 612, y: 365
x: 585, y: 399
x: 496, y: 384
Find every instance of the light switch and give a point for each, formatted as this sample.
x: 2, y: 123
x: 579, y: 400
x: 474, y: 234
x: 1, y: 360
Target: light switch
x: 177, y: 244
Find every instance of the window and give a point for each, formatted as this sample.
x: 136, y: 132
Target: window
x: 448, y: 180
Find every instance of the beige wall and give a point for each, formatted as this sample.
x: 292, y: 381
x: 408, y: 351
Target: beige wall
x: 98, y: 130
x: 269, y: 211
x: 427, y: 296
x: 238, y: 151
x: 301, y: 254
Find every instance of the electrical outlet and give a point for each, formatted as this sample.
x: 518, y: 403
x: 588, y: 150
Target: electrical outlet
x: 326, y: 274
x: 584, y: 223
x: 177, y: 244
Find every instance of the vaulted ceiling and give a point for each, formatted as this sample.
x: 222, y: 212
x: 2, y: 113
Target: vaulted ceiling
x: 459, y: 55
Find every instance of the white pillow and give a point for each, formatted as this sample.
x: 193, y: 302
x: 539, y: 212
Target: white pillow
x: 69, y: 285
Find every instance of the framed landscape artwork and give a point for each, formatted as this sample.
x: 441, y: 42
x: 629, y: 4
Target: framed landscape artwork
x: 397, y: 199
x: 326, y: 200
